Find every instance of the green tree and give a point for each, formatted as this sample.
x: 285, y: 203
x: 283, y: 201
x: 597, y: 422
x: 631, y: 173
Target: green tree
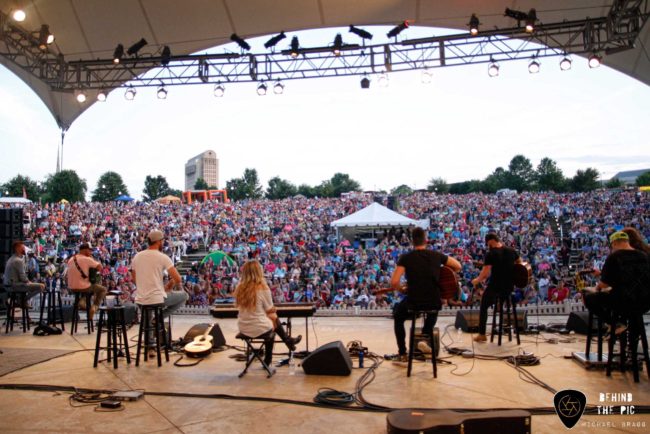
x: 495, y: 181
x: 280, y: 188
x: 438, y: 185
x: 549, y: 177
x: 246, y: 187
x: 155, y: 187
x: 585, y: 180
x: 109, y: 186
x: 614, y: 183
x: 342, y: 183
x: 465, y: 187
x: 175, y: 192
x: 65, y: 185
x: 324, y: 189
x: 643, y: 180
x: 520, y: 173
x: 401, y: 190
x: 306, y: 190
x: 200, y: 184
x: 14, y: 187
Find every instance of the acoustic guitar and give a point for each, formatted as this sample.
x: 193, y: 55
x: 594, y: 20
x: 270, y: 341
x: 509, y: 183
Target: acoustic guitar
x: 201, y: 346
x: 522, y: 273
x: 447, y: 282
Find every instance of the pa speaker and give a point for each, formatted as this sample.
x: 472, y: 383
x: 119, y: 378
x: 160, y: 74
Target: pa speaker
x: 467, y: 320
x: 329, y: 359
x: 579, y: 323
x: 218, y: 340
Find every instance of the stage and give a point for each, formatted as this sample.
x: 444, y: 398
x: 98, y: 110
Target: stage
x: 467, y: 383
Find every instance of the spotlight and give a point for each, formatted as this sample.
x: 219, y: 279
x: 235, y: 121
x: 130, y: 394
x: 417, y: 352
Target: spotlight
x: 118, y: 53
x: 533, y: 66
x: 383, y: 80
x: 219, y: 90
x: 101, y: 96
x: 19, y: 15
x: 274, y: 40
x: 278, y: 88
x: 133, y: 49
x: 473, y: 25
x: 242, y: 44
x: 162, y: 92
x: 45, y: 38
x: 338, y: 44
x: 365, y: 83
x: 129, y: 95
x: 295, y: 46
x: 427, y: 77
x: 165, y: 56
x: 397, y: 30
x: 595, y: 61
x: 360, y: 32
x: 261, y: 89
x: 81, y: 96
x: 493, y: 70
x: 517, y: 15
x: 565, y: 64
x: 530, y: 21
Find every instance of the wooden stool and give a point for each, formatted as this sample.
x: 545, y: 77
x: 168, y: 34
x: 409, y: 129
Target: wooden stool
x: 146, y: 311
x: 635, y: 332
x: 255, y: 352
x: 111, y: 320
x: 17, y: 299
x: 75, y: 311
x: 498, y: 308
x: 414, y: 316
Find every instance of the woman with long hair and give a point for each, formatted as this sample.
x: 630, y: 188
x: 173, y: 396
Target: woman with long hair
x: 636, y: 240
x: 257, y: 315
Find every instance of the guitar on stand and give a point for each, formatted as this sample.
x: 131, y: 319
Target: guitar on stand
x: 201, y: 346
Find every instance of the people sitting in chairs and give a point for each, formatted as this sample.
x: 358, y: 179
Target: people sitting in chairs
x: 79, y: 267
x: 257, y: 315
x: 421, y: 267
x: 15, y: 278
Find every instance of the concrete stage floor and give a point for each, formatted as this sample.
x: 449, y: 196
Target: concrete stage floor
x: 477, y: 384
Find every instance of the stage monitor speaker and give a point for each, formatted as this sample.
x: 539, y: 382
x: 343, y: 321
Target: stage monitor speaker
x: 218, y: 340
x: 407, y: 421
x: 579, y: 323
x: 328, y: 359
x: 467, y: 320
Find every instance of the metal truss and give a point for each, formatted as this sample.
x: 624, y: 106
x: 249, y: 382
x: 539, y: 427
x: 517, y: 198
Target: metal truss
x: 604, y: 35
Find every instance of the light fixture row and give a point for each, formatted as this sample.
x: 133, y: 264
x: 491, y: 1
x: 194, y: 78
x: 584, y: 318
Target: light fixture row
x: 534, y: 66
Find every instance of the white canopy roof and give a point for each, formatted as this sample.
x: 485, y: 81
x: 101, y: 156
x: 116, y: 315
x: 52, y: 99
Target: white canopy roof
x: 374, y: 215
x: 14, y: 200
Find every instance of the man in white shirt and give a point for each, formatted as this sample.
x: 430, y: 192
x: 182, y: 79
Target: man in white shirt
x: 148, y: 268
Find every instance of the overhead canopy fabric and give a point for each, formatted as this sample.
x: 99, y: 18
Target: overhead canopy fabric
x: 168, y: 199
x: 374, y: 215
x: 91, y: 29
x: 14, y: 200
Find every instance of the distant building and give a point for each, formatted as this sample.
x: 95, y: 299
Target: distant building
x: 629, y: 177
x: 204, y: 165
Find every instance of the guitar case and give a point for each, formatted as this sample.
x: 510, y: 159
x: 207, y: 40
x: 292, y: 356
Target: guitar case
x: 451, y: 422
x: 218, y: 340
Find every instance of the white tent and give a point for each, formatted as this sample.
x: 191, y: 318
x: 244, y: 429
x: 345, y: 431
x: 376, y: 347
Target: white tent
x: 374, y: 215
x: 14, y: 200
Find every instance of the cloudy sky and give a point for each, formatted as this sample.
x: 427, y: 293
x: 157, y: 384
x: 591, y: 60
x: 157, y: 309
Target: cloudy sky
x: 461, y: 126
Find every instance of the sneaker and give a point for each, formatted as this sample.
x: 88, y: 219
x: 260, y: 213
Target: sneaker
x: 620, y: 329
x: 292, y: 342
x: 399, y: 358
x: 480, y: 338
x: 424, y: 347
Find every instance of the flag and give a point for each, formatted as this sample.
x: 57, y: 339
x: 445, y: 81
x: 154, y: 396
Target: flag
x: 24, y: 193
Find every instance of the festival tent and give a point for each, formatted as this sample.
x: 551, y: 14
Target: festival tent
x: 124, y: 198
x: 14, y: 200
x: 168, y: 199
x: 371, y: 218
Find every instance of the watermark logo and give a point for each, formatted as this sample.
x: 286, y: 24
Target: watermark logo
x: 569, y: 406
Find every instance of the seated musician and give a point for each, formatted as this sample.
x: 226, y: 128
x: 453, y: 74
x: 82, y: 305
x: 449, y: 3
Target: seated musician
x: 421, y: 267
x: 257, y: 315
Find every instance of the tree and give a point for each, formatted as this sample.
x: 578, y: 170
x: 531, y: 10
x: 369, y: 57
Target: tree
x: 280, y: 188
x: 549, y: 177
x: 342, y: 183
x: 200, y: 184
x: 585, y: 180
x: 306, y: 190
x: 614, y: 183
x: 438, y: 185
x: 495, y: 181
x: 465, y: 187
x: 155, y: 187
x: 401, y: 190
x: 65, y: 185
x: 643, y: 179
x: 109, y: 186
x: 324, y: 189
x: 520, y: 173
x: 246, y: 187
x: 175, y: 192
x: 14, y: 187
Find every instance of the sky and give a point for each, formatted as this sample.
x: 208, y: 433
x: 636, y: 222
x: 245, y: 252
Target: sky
x: 460, y: 126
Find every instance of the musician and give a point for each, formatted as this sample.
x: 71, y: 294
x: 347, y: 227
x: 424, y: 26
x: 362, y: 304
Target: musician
x: 421, y: 267
x: 15, y: 279
x: 257, y: 315
x: 498, y: 266
x: 79, y: 277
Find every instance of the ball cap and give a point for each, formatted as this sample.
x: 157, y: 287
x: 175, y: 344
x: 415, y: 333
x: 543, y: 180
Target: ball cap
x: 618, y: 236
x: 155, y: 235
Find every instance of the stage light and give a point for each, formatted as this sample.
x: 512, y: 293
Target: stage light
x: 274, y: 40
x: 360, y: 32
x: 261, y: 89
x: 101, y: 96
x: 565, y: 64
x: 129, y: 95
x: 219, y: 90
x: 19, y: 15
x: 118, y: 53
x: 398, y: 29
x: 81, y: 96
x: 278, y: 88
x: 533, y: 66
x: 595, y: 61
x: 45, y: 38
x: 517, y: 15
x: 365, y: 83
x: 493, y: 70
x: 295, y: 46
x: 133, y: 49
x: 165, y: 56
x: 426, y: 77
x: 473, y: 25
x: 161, y: 93
x: 383, y: 80
x: 530, y: 21
x: 338, y: 44
x: 242, y: 44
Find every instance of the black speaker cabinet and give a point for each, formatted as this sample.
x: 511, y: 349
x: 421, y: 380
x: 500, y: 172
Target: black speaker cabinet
x: 467, y: 320
x: 328, y: 359
x: 579, y: 323
x: 218, y: 340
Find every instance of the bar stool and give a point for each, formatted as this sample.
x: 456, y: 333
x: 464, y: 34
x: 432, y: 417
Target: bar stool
x: 590, y: 332
x: 158, y: 327
x: 16, y: 299
x: 75, y: 311
x: 111, y: 320
x: 635, y: 332
x: 498, y: 308
x: 415, y: 313
x: 255, y: 352
x: 53, y: 299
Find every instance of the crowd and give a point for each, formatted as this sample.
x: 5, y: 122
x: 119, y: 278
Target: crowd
x: 303, y: 259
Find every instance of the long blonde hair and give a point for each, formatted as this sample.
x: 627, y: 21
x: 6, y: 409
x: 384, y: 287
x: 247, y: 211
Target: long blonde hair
x: 252, y: 280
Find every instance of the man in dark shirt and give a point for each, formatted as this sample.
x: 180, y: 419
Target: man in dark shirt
x: 421, y: 267
x: 499, y: 268
x: 15, y: 279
